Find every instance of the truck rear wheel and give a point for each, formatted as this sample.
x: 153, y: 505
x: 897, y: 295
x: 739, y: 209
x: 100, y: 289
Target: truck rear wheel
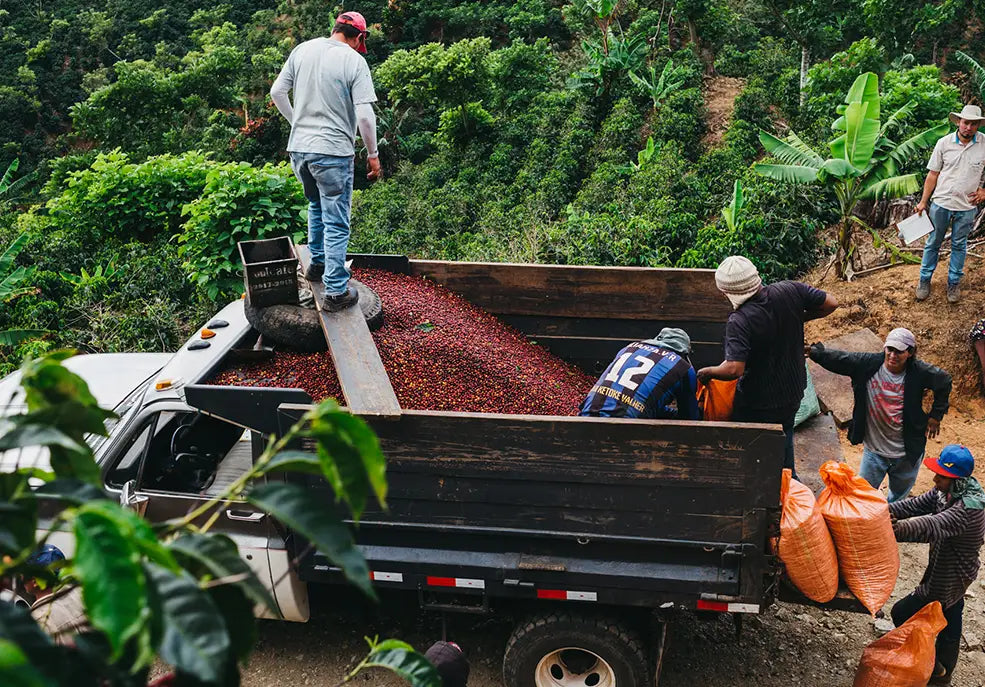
x: 299, y: 329
x: 568, y: 650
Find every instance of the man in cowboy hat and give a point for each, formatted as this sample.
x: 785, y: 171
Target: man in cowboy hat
x: 764, y: 344
x: 333, y: 94
x: 951, y: 518
x: 651, y: 379
x: 953, y: 189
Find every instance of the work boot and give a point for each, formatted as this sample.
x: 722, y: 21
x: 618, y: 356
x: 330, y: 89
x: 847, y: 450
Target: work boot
x: 341, y: 301
x: 953, y: 293
x: 315, y: 271
x: 947, y: 658
x: 923, y: 290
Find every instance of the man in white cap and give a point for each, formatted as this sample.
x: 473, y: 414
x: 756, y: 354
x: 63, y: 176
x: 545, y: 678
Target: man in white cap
x: 333, y: 95
x: 764, y: 344
x: 888, y: 418
x: 953, y: 188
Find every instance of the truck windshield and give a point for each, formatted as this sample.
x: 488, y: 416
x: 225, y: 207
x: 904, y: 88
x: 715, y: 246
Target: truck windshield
x: 123, y: 410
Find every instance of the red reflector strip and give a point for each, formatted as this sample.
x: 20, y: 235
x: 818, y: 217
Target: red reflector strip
x: 460, y: 582
x: 724, y: 607
x: 377, y: 576
x: 712, y: 606
x: 564, y: 595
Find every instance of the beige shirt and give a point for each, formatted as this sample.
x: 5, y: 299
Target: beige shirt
x: 61, y: 615
x: 960, y: 166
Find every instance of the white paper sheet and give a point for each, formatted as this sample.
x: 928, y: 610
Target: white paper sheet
x: 914, y: 227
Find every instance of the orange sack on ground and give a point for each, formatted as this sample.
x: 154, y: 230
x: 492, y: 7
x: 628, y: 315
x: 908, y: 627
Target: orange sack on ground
x: 715, y: 399
x: 903, y: 657
x: 805, y: 547
x: 858, y: 519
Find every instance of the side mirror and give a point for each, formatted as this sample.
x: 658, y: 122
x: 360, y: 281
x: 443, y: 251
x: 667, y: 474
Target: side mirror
x: 129, y: 498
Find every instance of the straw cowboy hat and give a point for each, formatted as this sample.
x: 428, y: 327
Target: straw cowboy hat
x: 972, y: 113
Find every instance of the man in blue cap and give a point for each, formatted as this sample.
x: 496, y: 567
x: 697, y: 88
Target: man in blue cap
x: 951, y: 517
x: 58, y: 610
x: 651, y: 379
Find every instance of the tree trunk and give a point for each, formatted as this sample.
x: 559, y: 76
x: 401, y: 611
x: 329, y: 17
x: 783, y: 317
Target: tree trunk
x: 844, y: 249
x: 805, y: 63
x: 704, y: 56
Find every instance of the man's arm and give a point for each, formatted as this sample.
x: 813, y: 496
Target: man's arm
x: 829, y: 305
x: 687, y: 397
x: 839, y: 362
x: 918, y: 505
x: 366, y: 119
x: 726, y: 371
x: 929, y: 184
x: 936, y: 526
x: 279, y: 92
x: 939, y: 382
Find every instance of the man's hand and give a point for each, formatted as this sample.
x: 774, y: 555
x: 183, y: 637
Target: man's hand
x: 704, y: 375
x: 933, y: 427
x: 807, y: 350
x: 921, y: 206
x: 375, y: 172
x: 977, y: 197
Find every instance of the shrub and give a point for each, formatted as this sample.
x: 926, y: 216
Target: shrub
x: 239, y: 202
x: 122, y: 200
x: 681, y: 120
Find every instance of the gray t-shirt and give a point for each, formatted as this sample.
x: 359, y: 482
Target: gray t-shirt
x: 884, y: 425
x: 329, y: 79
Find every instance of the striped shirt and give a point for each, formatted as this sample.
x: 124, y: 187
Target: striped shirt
x: 955, y: 534
x: 642, y: 382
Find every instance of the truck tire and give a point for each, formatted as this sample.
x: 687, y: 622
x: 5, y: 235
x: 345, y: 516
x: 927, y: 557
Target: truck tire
x: 563, y: 649
x: 299, y: 329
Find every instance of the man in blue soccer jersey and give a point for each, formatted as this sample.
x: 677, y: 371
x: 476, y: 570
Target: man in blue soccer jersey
x: 645, y: 379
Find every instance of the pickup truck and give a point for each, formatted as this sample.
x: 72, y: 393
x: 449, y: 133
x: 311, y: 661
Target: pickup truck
x: 592, y: 530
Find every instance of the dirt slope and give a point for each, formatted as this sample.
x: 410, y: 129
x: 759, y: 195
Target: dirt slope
x: 720, y: 93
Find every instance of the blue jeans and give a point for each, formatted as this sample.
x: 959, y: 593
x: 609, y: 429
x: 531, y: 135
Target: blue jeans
x: 327, y: 182
x: 902, y: 474
x: 960, y: 222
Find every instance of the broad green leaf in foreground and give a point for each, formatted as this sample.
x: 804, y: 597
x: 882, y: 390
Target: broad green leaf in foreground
x: 402, y: 659
x: 15, y: 671
x: 195, y: 638
x: 307, y: 513
x: 218, y: 555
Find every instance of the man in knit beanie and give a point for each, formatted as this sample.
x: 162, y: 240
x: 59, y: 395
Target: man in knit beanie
x: 764, y: 344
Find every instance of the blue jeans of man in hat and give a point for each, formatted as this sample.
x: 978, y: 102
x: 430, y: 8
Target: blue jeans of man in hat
x: 960, y: 223
x: 327, y: 182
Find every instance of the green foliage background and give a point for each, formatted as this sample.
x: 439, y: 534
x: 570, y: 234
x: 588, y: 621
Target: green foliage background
x: 509, y: 131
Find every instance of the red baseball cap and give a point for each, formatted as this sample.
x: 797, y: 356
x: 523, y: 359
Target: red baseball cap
x: 357, y: 21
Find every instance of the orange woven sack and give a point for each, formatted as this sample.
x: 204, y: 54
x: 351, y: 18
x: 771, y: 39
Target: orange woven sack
x: 858, y: 519
x: 716, y: 398
x: 806, y: 549
x: 903, y: 657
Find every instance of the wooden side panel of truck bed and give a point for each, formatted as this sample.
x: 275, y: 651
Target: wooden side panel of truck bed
x: 658, y: 480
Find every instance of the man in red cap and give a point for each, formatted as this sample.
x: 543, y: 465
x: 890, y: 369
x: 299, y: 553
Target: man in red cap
x: 333, y: 96
x: 951, y: 517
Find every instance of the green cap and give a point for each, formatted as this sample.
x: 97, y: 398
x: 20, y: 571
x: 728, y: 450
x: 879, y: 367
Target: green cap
x: 675, y: 339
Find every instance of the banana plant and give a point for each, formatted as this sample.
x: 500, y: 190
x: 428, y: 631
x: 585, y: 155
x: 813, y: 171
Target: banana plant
x: 657, y: 87
x: 734, y: 212
x: 864, y: 162
x: 12, y: 286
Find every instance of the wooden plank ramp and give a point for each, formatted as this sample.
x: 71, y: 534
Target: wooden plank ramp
x: 815, y: 442
x: 365, y: 383
x: 834, y: 391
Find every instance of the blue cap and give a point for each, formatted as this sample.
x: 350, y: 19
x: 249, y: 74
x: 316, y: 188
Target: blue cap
x: 46, y: 555
x: 955, y: 461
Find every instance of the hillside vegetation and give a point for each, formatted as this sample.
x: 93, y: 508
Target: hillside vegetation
x: 537, y: 130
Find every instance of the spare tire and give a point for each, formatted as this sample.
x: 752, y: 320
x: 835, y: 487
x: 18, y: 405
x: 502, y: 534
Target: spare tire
x: 299, y: 328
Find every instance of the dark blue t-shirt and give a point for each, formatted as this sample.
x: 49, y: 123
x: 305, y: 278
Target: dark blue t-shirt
x: 767, y: 334
x: 642, y: 382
